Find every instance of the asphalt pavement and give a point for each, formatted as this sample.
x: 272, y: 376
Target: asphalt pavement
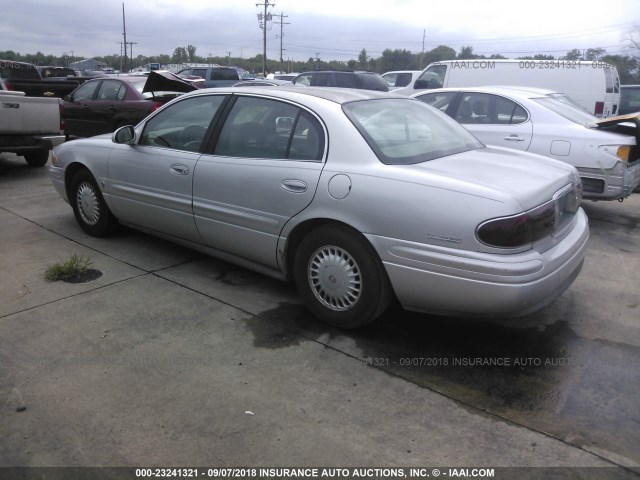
x: 171, y: 358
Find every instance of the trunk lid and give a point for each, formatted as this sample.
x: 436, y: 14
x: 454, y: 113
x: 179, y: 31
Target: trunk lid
x: 503, y: 174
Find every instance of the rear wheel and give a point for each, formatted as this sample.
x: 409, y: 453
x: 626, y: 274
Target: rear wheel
x: 89, y: 207
x: 340, y: 277
x: 37, y: 158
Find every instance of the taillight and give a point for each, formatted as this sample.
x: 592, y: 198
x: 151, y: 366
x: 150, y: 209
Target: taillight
x: 599, y: 109
x: 519, y: 230
x: 156, y: 105
x: 9, y: 85
x: 528, y: 227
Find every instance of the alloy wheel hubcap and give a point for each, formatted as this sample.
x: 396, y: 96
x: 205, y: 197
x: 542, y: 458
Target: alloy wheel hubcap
x: 334, y: 277
x: 88, y: 205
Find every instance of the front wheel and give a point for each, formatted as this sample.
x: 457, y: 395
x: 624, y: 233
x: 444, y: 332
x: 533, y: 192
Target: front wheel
x: 341, y: 278
x: 89, y: 207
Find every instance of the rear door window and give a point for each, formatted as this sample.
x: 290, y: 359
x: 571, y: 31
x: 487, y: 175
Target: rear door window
x: 321, y: 79
x: 370, y: 81
x: 346, y: 80
x: 111, y: 90
x: 265, y: 128
x: 484, y: 108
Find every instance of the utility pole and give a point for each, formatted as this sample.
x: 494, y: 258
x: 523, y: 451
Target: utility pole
x: 131, y: 44
x: 282, y: 24
x: 263, y: 21
x: 120, y: 55
x: 228, y: 59
x: 317, y: 60
x: 124, y: 32
x: 424, y: 34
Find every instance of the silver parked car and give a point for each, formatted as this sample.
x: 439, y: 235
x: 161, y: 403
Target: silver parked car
x: 605, y: 152
x: 358, y: 196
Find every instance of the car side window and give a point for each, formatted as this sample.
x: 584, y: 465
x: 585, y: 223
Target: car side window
x: 346, y: 80
x: 485, y: 108
x: 305, y: 79
x: 403, y: 79
x: 85, y: 92
x: 432, y: 77
x: 439, y: 100
x: 109, y: 90
x: 474, y: 108
x: 509, y: 112
x: 263, y: 128
x: 183, y: 125
x: 321, y: 79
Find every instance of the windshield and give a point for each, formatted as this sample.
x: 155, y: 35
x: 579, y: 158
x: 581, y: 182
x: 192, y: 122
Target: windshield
x: 403, y: 132
x: 567, y: 108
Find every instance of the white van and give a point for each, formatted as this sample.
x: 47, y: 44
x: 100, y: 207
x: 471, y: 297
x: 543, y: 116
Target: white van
x: 593, y: 85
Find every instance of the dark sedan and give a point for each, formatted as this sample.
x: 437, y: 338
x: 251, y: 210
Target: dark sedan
x: 102, y: 105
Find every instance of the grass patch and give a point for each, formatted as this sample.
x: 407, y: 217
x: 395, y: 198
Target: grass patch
x: 67, y: 270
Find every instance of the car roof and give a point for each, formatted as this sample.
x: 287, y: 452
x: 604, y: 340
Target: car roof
x: 293, y: 92
x: 328, y: 70
x: 125, y: 77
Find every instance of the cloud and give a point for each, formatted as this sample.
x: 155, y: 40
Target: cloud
x: 331, y: 29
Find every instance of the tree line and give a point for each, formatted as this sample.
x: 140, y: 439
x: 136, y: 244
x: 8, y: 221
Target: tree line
x: 398, y: 59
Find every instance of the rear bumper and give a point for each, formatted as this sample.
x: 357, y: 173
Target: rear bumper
x: 29, y: 143
x: 616, y: 183
x: 449, y: 282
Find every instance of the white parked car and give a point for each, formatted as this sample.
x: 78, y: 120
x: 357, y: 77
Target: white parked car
x: 605, y: 152
x: 400, y: 78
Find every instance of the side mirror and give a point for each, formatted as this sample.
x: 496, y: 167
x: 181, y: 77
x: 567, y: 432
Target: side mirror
x: 67, y: 98
x: 124, y: 135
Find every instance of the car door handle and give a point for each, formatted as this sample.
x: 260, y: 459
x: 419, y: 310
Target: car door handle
x: 179, y: 169
x: 514, y: 138
x: 294, y: 186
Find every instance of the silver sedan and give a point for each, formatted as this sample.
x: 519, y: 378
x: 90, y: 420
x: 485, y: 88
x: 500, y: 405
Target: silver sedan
x: 605, y: 152
x: 357, y: 196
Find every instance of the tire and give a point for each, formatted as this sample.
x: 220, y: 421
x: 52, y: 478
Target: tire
x: 37, y: 158
x: 341, y: 278
x: 89, y: 207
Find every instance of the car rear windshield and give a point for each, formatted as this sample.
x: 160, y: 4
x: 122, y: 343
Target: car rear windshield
x: 373, y: 82
x: 224, y: 74
x: 567, y: 108
x: 403, y: 132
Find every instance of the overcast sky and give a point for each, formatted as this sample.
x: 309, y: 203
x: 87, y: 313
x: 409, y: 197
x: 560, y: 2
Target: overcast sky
x: 331, y: 29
